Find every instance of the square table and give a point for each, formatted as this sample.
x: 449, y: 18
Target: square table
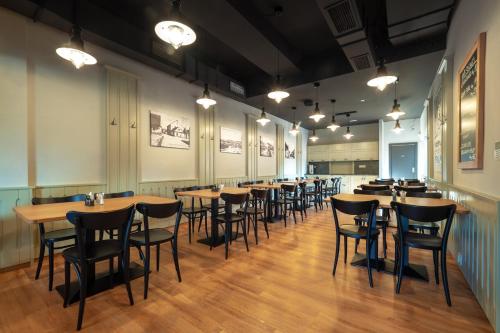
x: 46, y: 213
x: 214, y: 239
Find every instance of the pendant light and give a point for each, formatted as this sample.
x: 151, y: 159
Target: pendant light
x: 316, y: 115
x: 397, y: 127
x: 263, y: 120
x: 314, y: 137
x: 383, y: 78
x: 295, y: 127
x: 333, y: 125
x: 74, y: 51
x: 396, y: 111
x: 278, y: 93
x: 174, y: 30
x: 348, y: 135
x: 205, y: 100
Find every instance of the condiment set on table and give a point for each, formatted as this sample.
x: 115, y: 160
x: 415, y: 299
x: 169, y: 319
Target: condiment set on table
x: 91, y: 199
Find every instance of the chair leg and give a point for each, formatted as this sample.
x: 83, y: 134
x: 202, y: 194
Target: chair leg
x: 41, y: 255
x: 157, y: 257
x: 199, y: 223
x: 265, y: 227
x: 384, y: 240
x: 368, y: 262
x: 284, y: 207
x: 126, y: 275
x: 176, y: 261
x: 356, y: 244
x: 337, y: 248
x: 67, y: 282
x: 189, y: 228
x: 444, y: 274
x: 244, y: 232
x: 51, y: 264
x: 396, y: 258
x: 293, y: 213
x: 83, y: 294
x: 111, y: 271
x: 435, y: 257
x: 255, y: 228
x: 206, y: 224
x: 400, y: 267
x: 345, y: 249
x: 146, y: 270
x: 226, y: 236
x: 101, y: 235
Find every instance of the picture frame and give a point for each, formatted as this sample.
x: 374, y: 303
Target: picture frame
x: 470, y: 84
x: 231, y: 141
x: 167, y: 131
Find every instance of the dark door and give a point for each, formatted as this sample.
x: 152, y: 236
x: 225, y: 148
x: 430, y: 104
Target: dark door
x: 403, y: 160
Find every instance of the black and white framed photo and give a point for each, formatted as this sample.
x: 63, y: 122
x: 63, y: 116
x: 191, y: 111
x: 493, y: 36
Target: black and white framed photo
x: 289, y: 150
x: 230, y: 141
x: 169, y: 131
x: 266, y: 147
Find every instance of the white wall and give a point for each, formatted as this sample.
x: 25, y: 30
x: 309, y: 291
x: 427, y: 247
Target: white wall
x: 409, y: 134
x: 470, y: 19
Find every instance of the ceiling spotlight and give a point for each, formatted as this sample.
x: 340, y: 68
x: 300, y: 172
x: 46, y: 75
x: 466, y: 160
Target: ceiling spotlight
x: 397, y: 127
x: 263, y: 120
x: 314, y: 137
x: 205, y: 100
x: 348, y: 135
x: 74, y: 52
x: 382, y: 79
x: 353, y: 120
x: 362, y: 100
x: 333, y: 125
x: 396, y: 110
x: 173, y: 31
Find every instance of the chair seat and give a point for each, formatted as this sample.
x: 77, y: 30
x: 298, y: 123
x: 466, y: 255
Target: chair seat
x: 195, y: 210
x: 421, y: 241
x: 250, y: 210
x: 99, y: 251
x: 424, y: 225
x: 232, y: 219
x: 156, y: 236
x: 356, y: 231
x: 60, y: 235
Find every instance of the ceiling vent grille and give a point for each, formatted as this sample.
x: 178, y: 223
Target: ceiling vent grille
x: 361, y: 61
x: 344, y: 15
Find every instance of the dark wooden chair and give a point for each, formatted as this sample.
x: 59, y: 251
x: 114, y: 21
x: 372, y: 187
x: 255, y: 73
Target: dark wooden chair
x: 373, y: 187
x: 434, y: 243
x: 387, y: 181
x: 432, y: 227
x: 420, y: 189
x: 151, y: 237
x: 229, y: 218
x: 369, y: 232
x: 409, y: 181
x: 136, y: 224
x: 303, y: 197
x: 289, y: 201
x: 314, y: 195
x: 49, y: 239
x: 192, y: 212
x: 256, y: 210
x: 208, y: 205
x: 87, y: 252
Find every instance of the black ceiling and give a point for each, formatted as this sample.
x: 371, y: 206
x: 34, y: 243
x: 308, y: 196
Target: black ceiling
x: 241, y: 38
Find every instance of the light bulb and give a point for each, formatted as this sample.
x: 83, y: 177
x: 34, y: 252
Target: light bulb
x: 381, y: 87
x: 175, y: 35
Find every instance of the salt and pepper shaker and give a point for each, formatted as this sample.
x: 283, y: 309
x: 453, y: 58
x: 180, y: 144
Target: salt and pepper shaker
x: 394, y: 195
x: 89, y: 199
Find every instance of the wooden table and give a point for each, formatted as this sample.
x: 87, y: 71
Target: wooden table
x: 411, y: 270
x: 214, y: 239
x: 47, y: 213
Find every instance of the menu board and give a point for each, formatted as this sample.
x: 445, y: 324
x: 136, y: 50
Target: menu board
x: 471, y: 107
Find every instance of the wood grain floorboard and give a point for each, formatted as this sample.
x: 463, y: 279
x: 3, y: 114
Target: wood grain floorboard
x: 282, y: 285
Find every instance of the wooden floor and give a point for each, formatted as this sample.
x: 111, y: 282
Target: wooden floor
x: 282, y: 285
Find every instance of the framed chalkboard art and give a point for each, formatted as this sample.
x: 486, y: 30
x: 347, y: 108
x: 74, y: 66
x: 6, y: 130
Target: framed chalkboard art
x: 471, y: 107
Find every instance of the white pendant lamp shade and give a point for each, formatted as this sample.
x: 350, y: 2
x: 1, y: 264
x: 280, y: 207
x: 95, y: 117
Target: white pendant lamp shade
x: 397, y: 127
x: 174, y: 31
x: 333, y: 125
x: 263, y: 120
x: 382, y: 79
x: 74, y: 51
x: 396, y: 111
x: 316, y: 115
x: 348, y: 135
x: 205, y: 100
x: 295, y: 129
x: 278, y: 93
x: 314, y: 137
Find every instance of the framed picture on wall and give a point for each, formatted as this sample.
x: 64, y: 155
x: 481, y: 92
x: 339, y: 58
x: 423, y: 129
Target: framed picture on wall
x: 471, y: 107
x: 266, y: 147
x: 289, y: 150
x: 169, y: 131
x: 230, y: 141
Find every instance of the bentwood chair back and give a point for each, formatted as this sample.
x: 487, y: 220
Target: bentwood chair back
x: 369, y: 192
x: 192, y: 212
x: 151, y: 237
x: 388, y: 181
x: 49, y: 239
x: 432, y: 227
x: 411, y: 189
x: 136, y: 224
x: 409, y: 181
x: 259, y: 204
x: 379, y: 187
x: 432, y: 195
x: 434, y: 243
x: 119, y: 195
x: 289, y: 201
x: 369, y: 232
x: 88, y: 251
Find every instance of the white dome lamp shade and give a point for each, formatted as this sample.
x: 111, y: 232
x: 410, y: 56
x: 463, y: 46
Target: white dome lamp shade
x: 205, y: 100
x: 397, y: 127
x: 295, y: 127
x: 396, y: 112
x: 175, y: 31
x: 333, y: 125
x: 278, y: 93
x: 348, y: 135
x: 316, y: 115
x: 314, y: 137
x: 382, y: 79
x: 74, y: 50
x: 263, y: 120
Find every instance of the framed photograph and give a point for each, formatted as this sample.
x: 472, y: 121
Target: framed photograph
x: 471, y: 107
x: 169, y: 131
x: 266, y: 147
x: 230, y: 141
x: 289, y: 150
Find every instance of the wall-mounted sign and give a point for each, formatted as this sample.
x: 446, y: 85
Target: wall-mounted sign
x: 471, y: 107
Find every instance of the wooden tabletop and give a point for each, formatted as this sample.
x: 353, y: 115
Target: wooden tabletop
x: 385, y: 201
x: 209, y: 194
x: 57, y: 211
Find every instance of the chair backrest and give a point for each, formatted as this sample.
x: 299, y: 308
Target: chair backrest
x: 186, y: 189
x: 375, y: 188
x: 259, y: 197
x: 425, y: 214
x: 231, y: 199
x: 289, y: 189
x: 50, y: 200
x: 87, y: 223
x: 409, y: 181
x: 388, y: 181
x: 411, y: 189
x: 433, y: 195
x: 259, y: 182
x: 160, y: 211
x: 356, y: 208
x: 385, y: 192
x: 119, y: 195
